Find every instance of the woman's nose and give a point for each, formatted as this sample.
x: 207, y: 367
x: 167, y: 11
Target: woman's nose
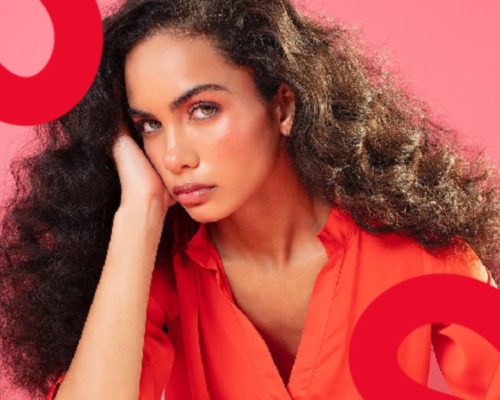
x: 179, y: 153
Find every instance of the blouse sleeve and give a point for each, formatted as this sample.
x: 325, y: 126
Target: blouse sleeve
x: 55, y: 386
x: 158, y: 353
x: 469, y: 363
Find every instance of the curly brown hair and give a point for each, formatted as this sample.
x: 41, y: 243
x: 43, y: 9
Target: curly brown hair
x: 360, y: 140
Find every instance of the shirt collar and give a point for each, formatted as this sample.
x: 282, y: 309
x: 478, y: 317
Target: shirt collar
x: 334, y: 235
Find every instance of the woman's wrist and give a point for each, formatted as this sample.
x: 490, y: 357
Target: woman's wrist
x: 141, y: 223
x: 149, y: 211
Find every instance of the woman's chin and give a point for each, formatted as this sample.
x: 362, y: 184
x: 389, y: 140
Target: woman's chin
x: 203, y: 214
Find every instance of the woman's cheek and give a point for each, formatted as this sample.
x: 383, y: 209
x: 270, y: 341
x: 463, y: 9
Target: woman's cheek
x: 231, y: 146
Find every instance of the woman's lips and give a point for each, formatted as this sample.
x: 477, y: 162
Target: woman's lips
x: 192, y: 194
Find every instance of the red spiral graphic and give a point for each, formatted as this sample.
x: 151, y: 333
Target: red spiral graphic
x: 401, y: 309
x: 78, y: 41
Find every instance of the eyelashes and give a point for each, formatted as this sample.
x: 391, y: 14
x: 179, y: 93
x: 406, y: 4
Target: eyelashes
x: 141, y: 128
x: 197, y: 112
x: 212, y: 107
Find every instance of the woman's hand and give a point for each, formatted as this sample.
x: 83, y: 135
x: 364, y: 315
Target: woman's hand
x: 140, y: 183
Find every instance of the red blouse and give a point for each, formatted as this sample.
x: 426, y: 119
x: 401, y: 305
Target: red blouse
x: 213, y: 351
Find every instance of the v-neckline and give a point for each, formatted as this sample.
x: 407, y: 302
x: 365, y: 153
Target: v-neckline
x: 317, y: 316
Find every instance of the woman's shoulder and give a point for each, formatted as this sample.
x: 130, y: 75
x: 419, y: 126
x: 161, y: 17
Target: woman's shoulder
x: 461, y: 260
x: 458, y: 258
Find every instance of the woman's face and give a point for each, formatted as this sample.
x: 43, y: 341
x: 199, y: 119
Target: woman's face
x: 207, y: 131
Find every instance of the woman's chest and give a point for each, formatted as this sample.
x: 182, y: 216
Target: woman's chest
x: 277, y: 305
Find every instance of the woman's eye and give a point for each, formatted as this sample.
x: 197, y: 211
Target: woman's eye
x: 203, y: 110
x: 148, y: 126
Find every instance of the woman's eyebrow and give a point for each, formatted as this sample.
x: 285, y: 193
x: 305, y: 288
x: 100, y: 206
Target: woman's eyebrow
x: 194, y: 91
x: 179, y: 101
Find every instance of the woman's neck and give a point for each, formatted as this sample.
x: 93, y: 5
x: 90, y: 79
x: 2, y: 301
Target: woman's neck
x: 276, y: 227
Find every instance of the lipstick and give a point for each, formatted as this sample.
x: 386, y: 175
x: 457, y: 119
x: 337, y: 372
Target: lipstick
x: 192, y: 194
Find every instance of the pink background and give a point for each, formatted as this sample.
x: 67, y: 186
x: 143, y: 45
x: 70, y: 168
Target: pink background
x: 444, y: 49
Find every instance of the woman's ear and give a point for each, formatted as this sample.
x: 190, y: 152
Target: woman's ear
x: 284, y: 108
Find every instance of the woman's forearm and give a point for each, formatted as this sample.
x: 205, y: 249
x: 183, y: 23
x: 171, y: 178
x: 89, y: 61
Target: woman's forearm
x: 107, y: 361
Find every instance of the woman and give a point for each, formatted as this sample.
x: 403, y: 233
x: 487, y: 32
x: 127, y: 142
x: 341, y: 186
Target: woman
x: 210, y: 221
